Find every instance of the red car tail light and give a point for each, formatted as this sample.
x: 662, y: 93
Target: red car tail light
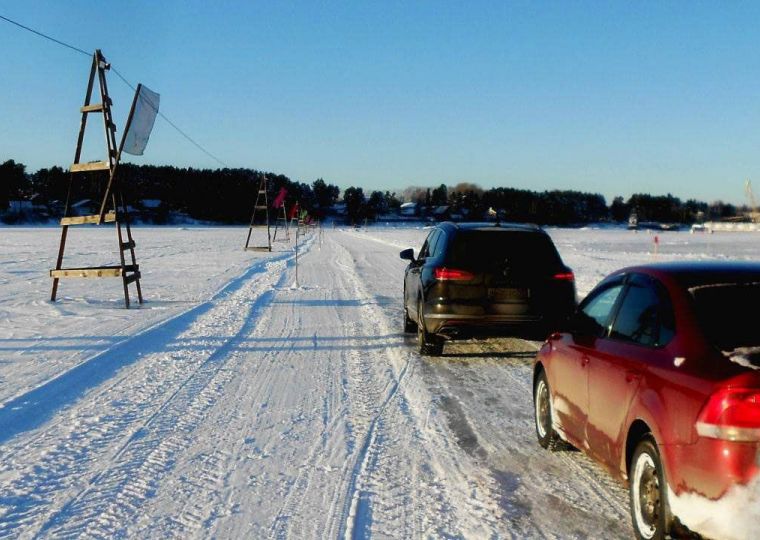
x: 731, y: 414
x: 452, y: 274
x: 564, y: 276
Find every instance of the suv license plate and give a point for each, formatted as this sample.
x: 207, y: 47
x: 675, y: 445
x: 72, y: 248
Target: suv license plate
x: 508, y: 295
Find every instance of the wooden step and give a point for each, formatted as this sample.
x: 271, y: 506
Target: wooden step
x: 257, y: 248
x: 95, y: 272
x: 127, y: 245
x: 110, y: 217
x: 260, y: 207
x: 96, y: 107
x: 91, y: 166
x: 134, y: 277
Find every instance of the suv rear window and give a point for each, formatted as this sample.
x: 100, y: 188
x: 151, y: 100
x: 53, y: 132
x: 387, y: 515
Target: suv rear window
x: 727, y: 314
x: 481, y: 250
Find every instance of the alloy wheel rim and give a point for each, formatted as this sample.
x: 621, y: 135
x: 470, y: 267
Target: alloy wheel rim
x: 646, y: 495
x: 542, y: 409
x: 420, y: 328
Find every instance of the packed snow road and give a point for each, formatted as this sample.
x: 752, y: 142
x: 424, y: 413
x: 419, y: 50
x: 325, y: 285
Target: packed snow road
x: 239, y: 403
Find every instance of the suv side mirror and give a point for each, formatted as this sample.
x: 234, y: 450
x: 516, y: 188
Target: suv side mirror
x: 407, y: 254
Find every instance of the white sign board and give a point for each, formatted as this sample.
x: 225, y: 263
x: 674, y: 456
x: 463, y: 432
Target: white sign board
x: 143, y: 118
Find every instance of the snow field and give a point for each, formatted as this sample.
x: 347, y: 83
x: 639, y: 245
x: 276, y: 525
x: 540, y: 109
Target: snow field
x: 235, y: 404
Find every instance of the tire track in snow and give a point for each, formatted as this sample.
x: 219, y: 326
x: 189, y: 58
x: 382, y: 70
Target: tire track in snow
x: 31, y: 409
x: 582, y: 484
x: 450, y: 495
x: 36, y: 490
x: 355, y: 515
x: 113, y: 497
x: 359, y: 400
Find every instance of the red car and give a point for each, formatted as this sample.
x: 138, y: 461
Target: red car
x: 656, y: 377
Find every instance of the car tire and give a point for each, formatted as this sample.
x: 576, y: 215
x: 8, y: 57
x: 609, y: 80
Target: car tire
x: 542, y: 409
x: 429, y: 344
x: 650, y: 512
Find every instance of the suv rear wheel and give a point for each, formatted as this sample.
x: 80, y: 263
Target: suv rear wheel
x: 409, y: 325
x: 429, y: 344
x: 650, y: 513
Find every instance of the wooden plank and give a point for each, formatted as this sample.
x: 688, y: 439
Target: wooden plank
x: 127, y: 245
x: 134, y: 277
x: 97, y: 271
x: 257, y: 248
x: 110, y: 217
x: 96, y: 107
x: 92, y: 166
x: 93, y: 272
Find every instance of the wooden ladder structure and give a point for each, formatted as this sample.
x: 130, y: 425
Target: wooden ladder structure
x: 281, y: 222
x: 261, y: 196
x: 112, y: 208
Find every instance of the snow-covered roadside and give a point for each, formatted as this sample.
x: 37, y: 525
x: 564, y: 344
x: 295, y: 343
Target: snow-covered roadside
x: 114, y: 422
x: 39, y: 340
x: 735, y: 516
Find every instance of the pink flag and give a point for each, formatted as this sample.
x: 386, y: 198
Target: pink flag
x: 293, y: 211
x: 280, y: 199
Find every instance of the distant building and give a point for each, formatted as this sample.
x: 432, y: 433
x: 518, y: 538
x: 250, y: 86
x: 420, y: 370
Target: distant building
x: 408, y: 209
x: 442, y: 213
x: 150, y: 204
x: 338, y: 209
x: 20, y: 207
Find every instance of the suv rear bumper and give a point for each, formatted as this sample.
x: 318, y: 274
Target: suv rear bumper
x: 459, y: 318
x: 458, y: 325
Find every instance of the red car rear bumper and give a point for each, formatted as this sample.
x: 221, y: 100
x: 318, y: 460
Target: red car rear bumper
x: 710, y: 467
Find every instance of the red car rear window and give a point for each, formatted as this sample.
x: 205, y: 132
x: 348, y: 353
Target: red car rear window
x: 728, y: 313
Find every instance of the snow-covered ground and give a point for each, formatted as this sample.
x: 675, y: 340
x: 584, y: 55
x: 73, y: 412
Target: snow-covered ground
x: 238, y: 403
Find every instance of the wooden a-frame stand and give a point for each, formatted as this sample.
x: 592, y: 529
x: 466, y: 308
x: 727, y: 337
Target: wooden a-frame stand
x: 112, y: 208
x: 282, y: 222
x: 261, y: 197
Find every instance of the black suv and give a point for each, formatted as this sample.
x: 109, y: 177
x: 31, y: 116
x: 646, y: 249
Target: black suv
x: 484, y: 279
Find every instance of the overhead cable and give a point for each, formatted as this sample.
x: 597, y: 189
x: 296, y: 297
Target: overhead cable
x: 77, y: 49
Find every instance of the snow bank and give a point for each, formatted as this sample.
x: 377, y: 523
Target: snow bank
x: 748, y: 357
x: 735, y: 516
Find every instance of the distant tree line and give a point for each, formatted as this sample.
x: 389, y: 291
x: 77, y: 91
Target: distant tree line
x: 219, y: 195
x: 228, y: 196
x: 470, y: 202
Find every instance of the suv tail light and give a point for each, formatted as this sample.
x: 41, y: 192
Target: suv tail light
x: 452, y: 274
x: 564, y: 276
x: 731, y: 414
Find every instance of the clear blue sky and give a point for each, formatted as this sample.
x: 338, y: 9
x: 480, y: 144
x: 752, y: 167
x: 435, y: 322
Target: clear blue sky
x: 614, y: 98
